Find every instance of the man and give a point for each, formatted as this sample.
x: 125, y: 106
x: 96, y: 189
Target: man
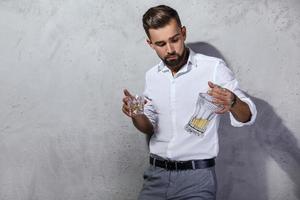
x: 182, y: 163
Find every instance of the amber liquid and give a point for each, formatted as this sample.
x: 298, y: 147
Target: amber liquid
x: 199, y: 124
x: 137, y: 108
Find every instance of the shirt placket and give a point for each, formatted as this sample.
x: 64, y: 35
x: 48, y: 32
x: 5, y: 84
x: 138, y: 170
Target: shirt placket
x: 172, y: 112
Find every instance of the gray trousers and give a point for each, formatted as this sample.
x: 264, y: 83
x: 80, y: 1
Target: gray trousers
x: 160, y: 184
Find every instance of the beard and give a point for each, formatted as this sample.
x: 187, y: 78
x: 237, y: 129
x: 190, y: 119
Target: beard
x: 174, y: 59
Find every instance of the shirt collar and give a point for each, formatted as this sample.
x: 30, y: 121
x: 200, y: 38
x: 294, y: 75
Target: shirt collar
x: 191, y: 62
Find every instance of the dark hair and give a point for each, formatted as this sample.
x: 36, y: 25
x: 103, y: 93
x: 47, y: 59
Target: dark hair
x: 158, y: 17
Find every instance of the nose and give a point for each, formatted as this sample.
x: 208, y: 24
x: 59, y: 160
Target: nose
x: 170, y: 48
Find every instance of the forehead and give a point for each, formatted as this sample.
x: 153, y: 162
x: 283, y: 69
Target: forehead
x: 164, y: 33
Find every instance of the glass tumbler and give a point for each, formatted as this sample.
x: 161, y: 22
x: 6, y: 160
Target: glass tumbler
x: 136, y: 105
x: 203, y: 114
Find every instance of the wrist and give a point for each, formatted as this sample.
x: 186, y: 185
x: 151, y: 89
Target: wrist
x: 233, y: 101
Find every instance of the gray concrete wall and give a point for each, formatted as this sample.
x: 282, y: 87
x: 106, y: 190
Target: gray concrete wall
x: 63, y: 65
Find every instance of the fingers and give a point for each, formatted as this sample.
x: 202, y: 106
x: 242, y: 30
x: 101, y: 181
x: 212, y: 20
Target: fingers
x: 222, y: 111
x: 126, y: 107
x: 216, y: 89
x: 221, y: 96
x: 126, y: 100
x: 219, y: 93
x: 126, y: 110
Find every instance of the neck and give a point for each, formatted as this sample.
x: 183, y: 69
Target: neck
x: 186, y: 53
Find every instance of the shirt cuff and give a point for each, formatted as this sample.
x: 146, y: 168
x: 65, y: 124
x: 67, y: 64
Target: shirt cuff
x: 150, y: 113
x: 252, y: 107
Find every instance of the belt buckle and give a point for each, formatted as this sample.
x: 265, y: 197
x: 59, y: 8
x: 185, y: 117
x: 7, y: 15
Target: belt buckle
x: 171, y: 165
x: 176, y: 166
x: 166, y: 164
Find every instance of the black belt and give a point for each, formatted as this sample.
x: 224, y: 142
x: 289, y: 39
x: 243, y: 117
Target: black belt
x: 182, y: 165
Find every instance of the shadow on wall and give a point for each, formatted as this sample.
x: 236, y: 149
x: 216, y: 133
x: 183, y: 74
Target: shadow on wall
x: 244, y: 164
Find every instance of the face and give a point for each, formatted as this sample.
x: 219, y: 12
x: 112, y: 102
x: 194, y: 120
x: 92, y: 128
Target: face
x: 168, y: 42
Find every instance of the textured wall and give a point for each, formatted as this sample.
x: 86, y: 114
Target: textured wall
x: 63, y: 65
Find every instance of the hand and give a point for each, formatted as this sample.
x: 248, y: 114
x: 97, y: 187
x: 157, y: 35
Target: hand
x: 127, y: 110
x: 221, y: 96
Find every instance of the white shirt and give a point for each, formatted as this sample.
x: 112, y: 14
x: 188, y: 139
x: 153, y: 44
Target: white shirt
x: 172, y: 101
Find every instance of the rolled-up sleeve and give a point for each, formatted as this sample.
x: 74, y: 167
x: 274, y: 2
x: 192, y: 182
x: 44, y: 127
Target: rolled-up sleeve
x: 149, y: 107
x: 225, y: 78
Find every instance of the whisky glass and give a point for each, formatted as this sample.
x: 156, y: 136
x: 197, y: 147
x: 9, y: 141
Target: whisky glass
x: 204, y: 113
x: 136, y: 105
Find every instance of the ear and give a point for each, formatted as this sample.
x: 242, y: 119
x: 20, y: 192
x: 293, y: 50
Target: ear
x: 183, y: 31
x: 150, y: 43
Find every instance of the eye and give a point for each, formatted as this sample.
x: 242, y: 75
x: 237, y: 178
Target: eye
x: 160, y: 44
x: 174, y: 40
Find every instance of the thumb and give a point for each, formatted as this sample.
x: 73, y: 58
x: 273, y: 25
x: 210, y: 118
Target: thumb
x: 127, y: 93
x: 211, y: 84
